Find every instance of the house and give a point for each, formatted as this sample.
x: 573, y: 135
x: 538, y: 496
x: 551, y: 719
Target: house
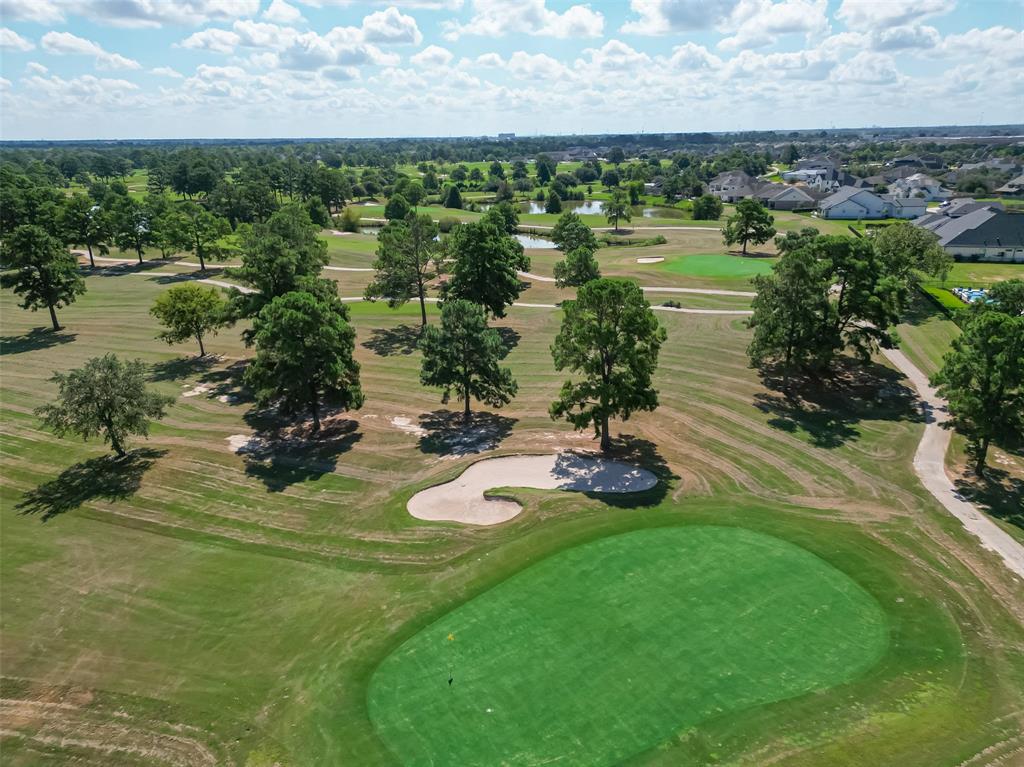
x: 1012, y: 188
x: 998, y: 164
x: 919, y: 185
x: 852, y: 203
x: 964, y: 205
x: 787, y: 198
x: 984, y: 234
x: 506, y: 136
x: 927, y: 161
x: 732, y: 185
x: 849, y: 202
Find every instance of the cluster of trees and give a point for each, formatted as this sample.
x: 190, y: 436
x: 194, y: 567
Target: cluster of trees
x: 982, y: 375
x: 828, y: 294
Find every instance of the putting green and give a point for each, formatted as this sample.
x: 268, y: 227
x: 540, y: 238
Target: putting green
x: 715, y: 265
x: 608, y: 649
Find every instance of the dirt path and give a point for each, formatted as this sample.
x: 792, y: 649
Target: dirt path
x: 464, y: 499
x: 930, y: 465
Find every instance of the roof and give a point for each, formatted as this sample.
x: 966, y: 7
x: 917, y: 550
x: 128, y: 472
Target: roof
x: 983, y: 228
x: 965, y: 205
x: 843, y: 194
x: 736, y: 176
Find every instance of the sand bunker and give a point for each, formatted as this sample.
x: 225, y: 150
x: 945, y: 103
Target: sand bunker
x: 463, y: 499
x: 649, y: 259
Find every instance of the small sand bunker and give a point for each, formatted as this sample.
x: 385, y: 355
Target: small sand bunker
x: 199, y: 389
x: 406, y: 425
x: 649, y: 259
x: 464, y: 500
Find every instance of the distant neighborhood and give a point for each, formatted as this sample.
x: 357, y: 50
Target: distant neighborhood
x: 912, y: 187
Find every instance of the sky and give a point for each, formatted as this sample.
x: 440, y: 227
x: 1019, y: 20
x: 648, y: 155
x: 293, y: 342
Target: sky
x: 107, y: 69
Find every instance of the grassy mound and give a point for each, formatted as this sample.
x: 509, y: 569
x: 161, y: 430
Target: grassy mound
x: 606, y: 650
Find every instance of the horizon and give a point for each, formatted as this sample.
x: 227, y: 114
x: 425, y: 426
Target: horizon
x: 271, y: 69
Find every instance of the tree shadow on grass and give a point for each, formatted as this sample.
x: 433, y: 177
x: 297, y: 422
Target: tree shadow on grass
x: 120, y: 270
x: 509, y: 339
x: 181, y: 367
x: 281, y: 453
x: 34, y: 340
x: 390, y: 341
x: 637, y: 451
x: 829, y: 409
x: 107, y: 478
x: 445, y: 433
x: 998, y: 493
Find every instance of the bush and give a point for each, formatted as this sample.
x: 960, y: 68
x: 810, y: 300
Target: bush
x: 348, y: 221
x: 447, y: 224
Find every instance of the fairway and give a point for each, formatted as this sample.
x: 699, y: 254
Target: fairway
x: 714, y: 265
x: 608, y: 649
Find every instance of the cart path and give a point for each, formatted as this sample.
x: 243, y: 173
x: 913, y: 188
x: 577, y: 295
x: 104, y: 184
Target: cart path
x: 930, y: 465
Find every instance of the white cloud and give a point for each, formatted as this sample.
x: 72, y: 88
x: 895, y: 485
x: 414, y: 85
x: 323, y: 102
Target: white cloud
x: 67, y: 44
x: 690, y: 56
x: 495, y: 18
x: 999, y: 43
x: 5, y: 84
x: 810, y: 65
x: 662, y: 17
x: 536, y: 67
x: 489, y: 60
x: 904, y: 38
x: 157, y: 13
x: 869, y: 69
x: 166, y: 72
x: 432, y: 57
x: 12, y: 41
x: 760, y: 22
x: 879, y: 14
x: 216, y: 40
x: 280, y: 12
x: 391, y: 26
x: 80, y: 93
x: 614, y: 56
x: 35, y: 68
x: 39, y: 11
x: 340, y: 74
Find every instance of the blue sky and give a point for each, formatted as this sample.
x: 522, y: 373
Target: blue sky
x: 263, y: 68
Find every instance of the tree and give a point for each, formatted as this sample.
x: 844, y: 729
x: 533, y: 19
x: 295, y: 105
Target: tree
x: 43, y: 272
x: 790, y: 309
x: 553, y: 204
x: 304, y: 355
x: 106, y: 397
x: 505, y: 215
x: 610, y: 178
x: 609, y: 335
x: 617, y: 207
x: 85, y: 223
x: 578, y: 268
x: 486, y: 265
x: 906, y: 250
x: 750, y: 223
x: 131, y: 226
x: 189, y: 311
x: 397, y: 208
x: 790, y: 155
x: 1008, y: 296
x: 792, y: 241
x: 570, y: 233
x: 982, y: 377
x: 407, y: 260
x: 546, y: 168
x: 616, y: 156
x: 171, y: 231
x: 707, y: 207
x: 452, y: 198
x: 462, y: 355
x: 205, y: 232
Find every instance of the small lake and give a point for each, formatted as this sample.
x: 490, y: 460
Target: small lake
x: 530, y: 241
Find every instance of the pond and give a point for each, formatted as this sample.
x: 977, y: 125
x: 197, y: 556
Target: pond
x: 660, y: 213
x: 583, y: 207
x: 530, y: 241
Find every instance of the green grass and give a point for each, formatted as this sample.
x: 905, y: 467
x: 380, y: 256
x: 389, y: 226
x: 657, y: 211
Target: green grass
x: 616, y: 645
x: 204, y: 602
x: 717, y: 266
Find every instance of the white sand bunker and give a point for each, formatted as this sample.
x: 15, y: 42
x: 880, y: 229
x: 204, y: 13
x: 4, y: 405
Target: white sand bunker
x: 464, y: 500
x: 649, y: 259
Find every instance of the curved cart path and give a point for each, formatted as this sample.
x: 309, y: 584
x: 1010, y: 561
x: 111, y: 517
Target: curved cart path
x: 930, y: 465
x: 464, y: 498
